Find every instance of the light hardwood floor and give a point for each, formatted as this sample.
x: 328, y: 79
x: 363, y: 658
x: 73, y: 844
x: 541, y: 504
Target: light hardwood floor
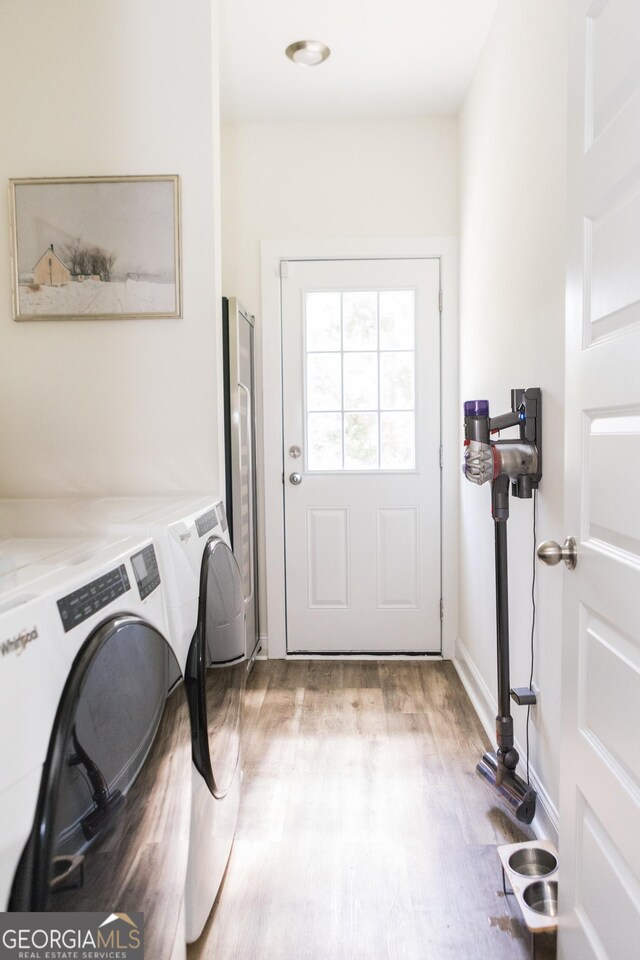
x: 364, y: 832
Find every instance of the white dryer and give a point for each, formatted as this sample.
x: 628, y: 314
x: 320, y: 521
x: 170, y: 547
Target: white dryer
x: 95, y: 783
x: 205, y: 609
x: 206, y: 617
x: 204, y: 605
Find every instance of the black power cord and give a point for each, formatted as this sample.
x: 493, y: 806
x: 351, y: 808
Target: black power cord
x: 533, y: 616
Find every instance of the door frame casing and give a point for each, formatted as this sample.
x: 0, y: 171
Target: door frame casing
x: 273, y: 252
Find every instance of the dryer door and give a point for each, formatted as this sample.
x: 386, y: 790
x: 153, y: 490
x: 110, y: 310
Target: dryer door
x: 217, y: 668
x: 112, y: 823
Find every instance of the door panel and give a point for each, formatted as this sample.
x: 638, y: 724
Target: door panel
x: 327, y: 558
x: 397, y: 552
x: 361, y: 378
x: 600, y: 784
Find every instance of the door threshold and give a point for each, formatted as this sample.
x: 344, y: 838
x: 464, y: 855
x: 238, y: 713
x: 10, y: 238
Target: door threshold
x: 357, y: 655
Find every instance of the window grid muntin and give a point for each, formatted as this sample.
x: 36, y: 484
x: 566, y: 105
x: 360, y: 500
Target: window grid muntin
x: 380, y: 410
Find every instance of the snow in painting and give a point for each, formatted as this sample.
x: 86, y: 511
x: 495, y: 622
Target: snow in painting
x: 98, y: 298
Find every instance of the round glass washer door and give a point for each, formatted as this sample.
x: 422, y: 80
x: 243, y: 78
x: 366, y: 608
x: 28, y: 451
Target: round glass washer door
x: 111, y: 830
x: 216, y: 668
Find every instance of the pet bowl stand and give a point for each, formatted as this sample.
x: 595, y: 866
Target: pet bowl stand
x: 519, y: 881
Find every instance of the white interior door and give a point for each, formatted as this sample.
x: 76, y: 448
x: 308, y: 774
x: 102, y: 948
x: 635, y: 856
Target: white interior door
x: 600, y: 772
x: 361, y: 419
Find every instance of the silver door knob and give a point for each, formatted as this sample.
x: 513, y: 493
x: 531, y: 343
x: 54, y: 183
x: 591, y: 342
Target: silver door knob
x: 552, y: 553
x: 295, y: 479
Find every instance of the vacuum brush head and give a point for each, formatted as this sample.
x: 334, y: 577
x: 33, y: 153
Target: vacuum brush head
x: 512, y: 790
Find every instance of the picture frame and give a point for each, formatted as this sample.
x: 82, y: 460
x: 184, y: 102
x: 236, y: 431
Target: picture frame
x: 96, y: 248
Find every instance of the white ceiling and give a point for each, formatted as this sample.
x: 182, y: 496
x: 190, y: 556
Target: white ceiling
x: 389, y: 58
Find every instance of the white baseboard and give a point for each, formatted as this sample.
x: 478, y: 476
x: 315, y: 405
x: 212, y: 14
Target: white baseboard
x: 546, y: 821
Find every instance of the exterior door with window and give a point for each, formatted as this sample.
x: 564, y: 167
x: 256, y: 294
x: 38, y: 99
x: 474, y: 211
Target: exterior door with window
x: 361, y: 419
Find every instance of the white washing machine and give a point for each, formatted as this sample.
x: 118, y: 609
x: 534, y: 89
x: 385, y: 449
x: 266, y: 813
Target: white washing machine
x: 204, y: 605
x: 95, y: 779
x: 38, y: 555
x: 32, y: 677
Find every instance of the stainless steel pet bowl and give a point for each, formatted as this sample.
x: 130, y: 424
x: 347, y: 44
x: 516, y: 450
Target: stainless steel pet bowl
x: 542, y: 896
x: 532, y: 862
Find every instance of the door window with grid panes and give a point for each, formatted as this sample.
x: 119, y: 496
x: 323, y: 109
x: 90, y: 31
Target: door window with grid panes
x: 360, y: 380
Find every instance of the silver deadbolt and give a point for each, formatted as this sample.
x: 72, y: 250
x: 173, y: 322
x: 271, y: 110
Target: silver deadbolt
x: 295, y: 479
x: 552, y: 553
x: 295, y: 452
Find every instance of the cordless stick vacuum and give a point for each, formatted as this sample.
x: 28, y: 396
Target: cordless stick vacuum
x: 514, y: 464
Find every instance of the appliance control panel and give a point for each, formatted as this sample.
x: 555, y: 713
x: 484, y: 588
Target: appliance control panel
x: 93, y: 596
x: 145, y: 570
x: 206, y: 522
x: 222, y: 516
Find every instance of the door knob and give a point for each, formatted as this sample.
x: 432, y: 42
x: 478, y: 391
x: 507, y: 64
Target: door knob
x: 295, y: 479
x: 552, y: 553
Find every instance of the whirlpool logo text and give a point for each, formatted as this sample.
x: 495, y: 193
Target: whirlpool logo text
x: 19, y: 643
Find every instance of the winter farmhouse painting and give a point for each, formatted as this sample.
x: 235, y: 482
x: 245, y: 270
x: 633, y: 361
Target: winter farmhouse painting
x: 96, y: 248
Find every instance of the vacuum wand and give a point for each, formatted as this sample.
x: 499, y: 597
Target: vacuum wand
x: 504, y: 724
x: 107, y: 802
x: 514, y: 465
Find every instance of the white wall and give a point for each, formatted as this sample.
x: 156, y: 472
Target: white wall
x: 512, y: 335
x: 332, y: 180
x: 324, y: 181
x: 113, y: 406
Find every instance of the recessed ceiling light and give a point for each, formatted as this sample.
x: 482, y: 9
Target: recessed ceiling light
x: 307, y: 53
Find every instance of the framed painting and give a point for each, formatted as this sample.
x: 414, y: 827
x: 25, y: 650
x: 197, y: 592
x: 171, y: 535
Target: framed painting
x: 96, y: 248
